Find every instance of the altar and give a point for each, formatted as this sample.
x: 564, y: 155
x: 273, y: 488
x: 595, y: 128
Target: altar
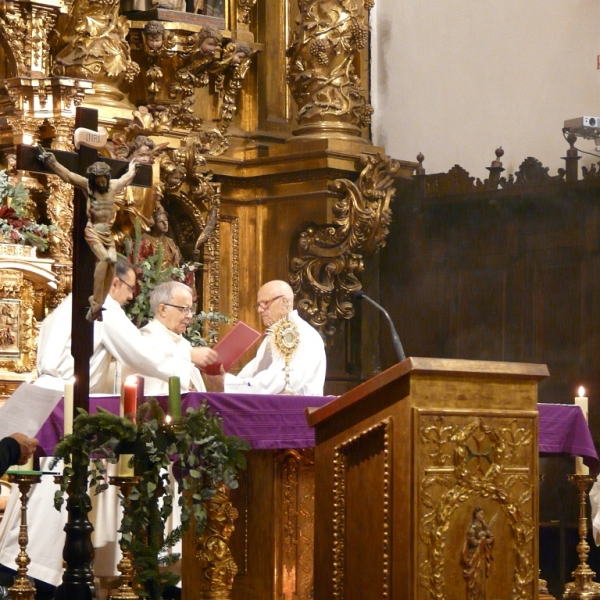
x: 273, y: 541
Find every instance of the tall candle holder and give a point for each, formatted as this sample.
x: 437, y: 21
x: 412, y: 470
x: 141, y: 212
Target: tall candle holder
x: 584, y: 586
x: 22, y: 588
x: 125, y: 566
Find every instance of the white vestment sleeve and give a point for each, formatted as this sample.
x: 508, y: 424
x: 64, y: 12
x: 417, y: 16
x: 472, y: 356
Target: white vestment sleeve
x: 127, y: 345
x: 54, y: 358
x: 265, y: 374
x: 595, y: 504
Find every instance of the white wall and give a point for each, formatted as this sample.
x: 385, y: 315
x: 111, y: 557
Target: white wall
x: 455, y: 79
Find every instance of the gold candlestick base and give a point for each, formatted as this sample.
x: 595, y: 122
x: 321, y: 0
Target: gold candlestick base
x: 584, y: 585
x: 22, y: 588
x: 125, y: 566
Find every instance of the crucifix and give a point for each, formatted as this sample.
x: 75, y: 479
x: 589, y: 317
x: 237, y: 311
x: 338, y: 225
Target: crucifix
x: 78, y: 552
x: 28, y: 158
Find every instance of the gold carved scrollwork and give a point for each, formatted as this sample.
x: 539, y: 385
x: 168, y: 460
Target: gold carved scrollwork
x: 179, y: 63
x: 244, y: 8
x: 212, y: 549
x: 328, y: 258
x: 25, y: 27
x: 94, y: 44
x: 328, y: 37
x: 467, y: 460
x: 17, y: 324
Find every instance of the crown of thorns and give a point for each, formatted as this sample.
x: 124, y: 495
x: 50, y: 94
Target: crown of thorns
x: 98, y: 169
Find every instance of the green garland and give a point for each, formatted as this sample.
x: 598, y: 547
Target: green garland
x: 16, y: 226
x: 150, y: 272
x: 198, y: 446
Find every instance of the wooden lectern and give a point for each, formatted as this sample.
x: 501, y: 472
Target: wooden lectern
x: 426, y: 484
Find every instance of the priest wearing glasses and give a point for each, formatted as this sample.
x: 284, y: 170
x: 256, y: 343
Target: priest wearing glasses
x: 265, y: 374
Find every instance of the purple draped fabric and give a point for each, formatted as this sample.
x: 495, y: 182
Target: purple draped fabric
x: 265, y: 422
x: 271, y: 422
x: 564, y: 430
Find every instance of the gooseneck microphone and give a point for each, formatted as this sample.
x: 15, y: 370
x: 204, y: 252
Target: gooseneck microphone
x: 360, y: 295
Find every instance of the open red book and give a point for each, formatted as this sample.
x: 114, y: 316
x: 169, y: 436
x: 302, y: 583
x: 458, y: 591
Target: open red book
x: 232, y: 346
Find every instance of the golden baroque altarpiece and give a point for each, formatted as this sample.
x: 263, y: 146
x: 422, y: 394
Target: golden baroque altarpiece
x: 255, y: 117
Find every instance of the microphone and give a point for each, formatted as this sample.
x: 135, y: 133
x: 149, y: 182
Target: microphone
x: 360, y: 295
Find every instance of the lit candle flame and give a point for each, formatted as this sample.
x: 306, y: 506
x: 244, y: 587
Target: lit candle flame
x: 168, y: 419
x: 581, y: 391
x: 131, y: 380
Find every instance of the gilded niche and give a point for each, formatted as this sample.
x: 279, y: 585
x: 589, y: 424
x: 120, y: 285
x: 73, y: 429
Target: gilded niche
x: 476, y: 496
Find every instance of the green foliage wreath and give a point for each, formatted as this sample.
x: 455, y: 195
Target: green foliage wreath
x: 194, y: 444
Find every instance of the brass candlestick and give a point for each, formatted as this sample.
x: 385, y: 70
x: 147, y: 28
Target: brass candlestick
x: 584, y: 585
x: 22, y: 588
x: 125, y: 566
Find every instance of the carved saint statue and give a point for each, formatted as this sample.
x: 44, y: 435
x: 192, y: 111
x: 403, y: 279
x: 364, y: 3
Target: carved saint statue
x: 138, y: 203
x: 477, y: 556
x: 100, y: 192
x: 171, y: 252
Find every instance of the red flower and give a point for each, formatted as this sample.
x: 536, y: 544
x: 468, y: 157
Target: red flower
x: 6, y: 212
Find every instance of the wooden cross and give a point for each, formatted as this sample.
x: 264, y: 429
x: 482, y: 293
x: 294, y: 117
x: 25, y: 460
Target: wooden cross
x: 82, y: 332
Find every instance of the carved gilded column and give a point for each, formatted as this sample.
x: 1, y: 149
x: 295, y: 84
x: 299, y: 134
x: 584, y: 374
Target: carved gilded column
x: 94, y: 47
x: 294, y: 524
x: 329, y: 37
x: 212, y: 550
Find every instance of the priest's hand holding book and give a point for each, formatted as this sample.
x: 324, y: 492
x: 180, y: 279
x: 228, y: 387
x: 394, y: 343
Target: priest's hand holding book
x: 229, y: 349
x: 202, y: 356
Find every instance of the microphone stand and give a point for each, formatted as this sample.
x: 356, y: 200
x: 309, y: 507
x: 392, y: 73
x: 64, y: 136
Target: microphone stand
x: 360, y: 295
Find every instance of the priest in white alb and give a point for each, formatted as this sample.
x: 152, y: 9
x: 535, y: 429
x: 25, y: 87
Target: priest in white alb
x: 265, y: 373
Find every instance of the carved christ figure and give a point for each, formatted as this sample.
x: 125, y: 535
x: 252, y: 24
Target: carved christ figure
x: 100, y: 193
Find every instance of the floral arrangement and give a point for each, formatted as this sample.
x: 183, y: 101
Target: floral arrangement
x: 196, y: 446
x: 15, y: 225
x: 150, y: 272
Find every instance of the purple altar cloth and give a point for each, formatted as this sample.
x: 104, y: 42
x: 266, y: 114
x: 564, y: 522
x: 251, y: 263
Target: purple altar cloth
x: 271, y: 422
x: 265, y: 422
x: 564, y: 430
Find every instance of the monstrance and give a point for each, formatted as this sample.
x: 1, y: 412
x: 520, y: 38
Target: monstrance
x: 285, y: 338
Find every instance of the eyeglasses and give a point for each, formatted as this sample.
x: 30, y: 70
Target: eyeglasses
x: 131, y: 287
x: 186, y: 310
x: 266, y: 303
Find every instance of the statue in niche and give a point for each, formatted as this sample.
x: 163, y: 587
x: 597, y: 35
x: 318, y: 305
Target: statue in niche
x: 158, y: 235
x: 477, y: 555
x: 136, y: 202
x: 178, y: 5
x: 215, y: 8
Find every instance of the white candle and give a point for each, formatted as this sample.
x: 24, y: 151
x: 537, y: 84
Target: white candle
x: 581, y: 401
x: 68, y: 406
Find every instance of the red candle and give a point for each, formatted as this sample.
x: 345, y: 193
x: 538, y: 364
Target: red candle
x: 130, y: 396
x: 140, y: 391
